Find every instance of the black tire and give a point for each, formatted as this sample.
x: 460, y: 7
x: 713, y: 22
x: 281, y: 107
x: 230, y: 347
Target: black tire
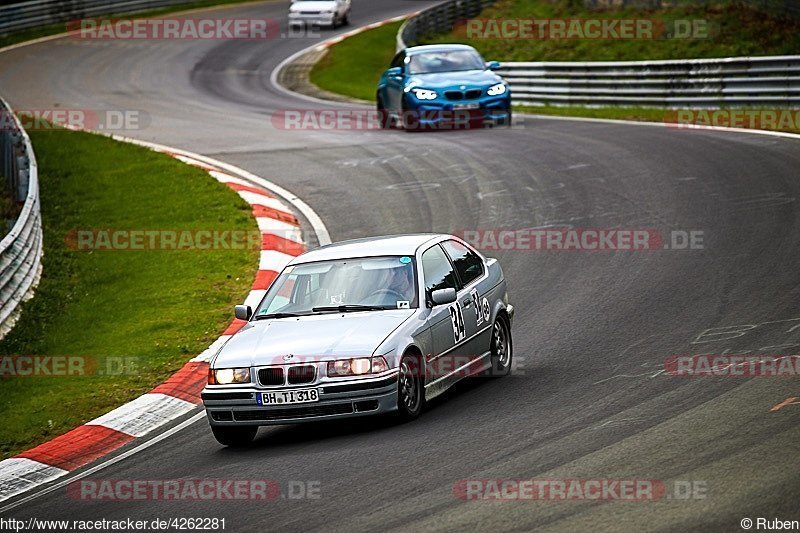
x: 410, y: 392
x: 502, y: 348
x: 234, y: 436
x: 346, y: 19
x: 383, y: 115
x: 409, y: 119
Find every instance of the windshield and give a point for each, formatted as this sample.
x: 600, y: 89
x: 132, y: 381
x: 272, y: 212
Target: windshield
x: 380, y: 282
x: 444, y: 61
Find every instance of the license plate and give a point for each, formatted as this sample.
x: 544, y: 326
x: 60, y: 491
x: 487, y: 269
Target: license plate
x: 285, y: 397
x: 466, y: 106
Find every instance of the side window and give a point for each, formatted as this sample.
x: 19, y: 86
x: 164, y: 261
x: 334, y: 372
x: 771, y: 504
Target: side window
x: 399, y: 60
x: 468, y: 264
x: 437, y: 271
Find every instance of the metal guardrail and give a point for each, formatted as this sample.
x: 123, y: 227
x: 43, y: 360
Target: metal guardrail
x: 37, y: 13
x: 438, y: 19
x: 21, y: 249
x: 730, y: 82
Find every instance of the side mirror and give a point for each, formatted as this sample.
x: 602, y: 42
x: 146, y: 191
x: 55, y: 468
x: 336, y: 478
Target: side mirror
x: 243, y: 312
x: 493, y: 65
x: 443, y: 296
x: 394, y: 72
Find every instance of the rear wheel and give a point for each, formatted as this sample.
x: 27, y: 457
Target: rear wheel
x: 410, y: 391
x: 234, y: 436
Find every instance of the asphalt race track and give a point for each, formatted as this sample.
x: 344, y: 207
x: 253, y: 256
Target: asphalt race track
x: 588, y: 398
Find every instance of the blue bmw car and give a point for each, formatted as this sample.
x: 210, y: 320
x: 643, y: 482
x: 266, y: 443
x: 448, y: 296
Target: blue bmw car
x: 442, y: 86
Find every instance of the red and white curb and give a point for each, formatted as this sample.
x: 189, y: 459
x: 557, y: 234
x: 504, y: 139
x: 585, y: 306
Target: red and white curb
x: 281, y: 241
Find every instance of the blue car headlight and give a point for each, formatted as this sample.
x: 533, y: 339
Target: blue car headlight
x: 497, y: 90
x: 424, y: 94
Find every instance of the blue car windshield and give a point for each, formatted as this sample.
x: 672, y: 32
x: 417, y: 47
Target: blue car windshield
x: 444, y: 61
x: 379, y: 282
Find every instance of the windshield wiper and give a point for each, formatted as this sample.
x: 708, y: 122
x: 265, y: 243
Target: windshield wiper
x: 348, y: 308
x: 278, y: 315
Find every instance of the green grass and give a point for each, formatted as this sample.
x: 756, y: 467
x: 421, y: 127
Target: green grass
x: 354, y: 66
x: 737, y: 31
x: 160, y: 307
x: 36, y: 33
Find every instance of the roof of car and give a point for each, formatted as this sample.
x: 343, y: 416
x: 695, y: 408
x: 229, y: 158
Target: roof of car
x: 436, y: 47
x: 370, y: 247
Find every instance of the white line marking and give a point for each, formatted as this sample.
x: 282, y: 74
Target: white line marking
x: 144, y: 414
x: 19, y: 474
x: 273, y: 260
x: 212, y: 350
x: 254, y: 298
x: 259, y: 199
x: 280, y: 228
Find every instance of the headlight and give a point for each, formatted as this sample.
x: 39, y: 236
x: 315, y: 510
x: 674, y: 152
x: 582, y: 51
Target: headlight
x: 424, y: 94
x: 357, y: 366
x: 228, y: 376
x: 497, y: 90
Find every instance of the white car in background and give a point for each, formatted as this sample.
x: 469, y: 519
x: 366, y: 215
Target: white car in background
x: 331, y: 13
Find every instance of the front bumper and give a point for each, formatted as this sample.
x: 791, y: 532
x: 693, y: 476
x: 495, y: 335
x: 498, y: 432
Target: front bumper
x: 342, y: 398
x: 318, y: 19
x: 440, y: 113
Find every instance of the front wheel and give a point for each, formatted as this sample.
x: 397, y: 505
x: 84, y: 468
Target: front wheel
x: 501, y: 348
x: 383, y: 115
x: 234, y: 436
x: 409, y: 388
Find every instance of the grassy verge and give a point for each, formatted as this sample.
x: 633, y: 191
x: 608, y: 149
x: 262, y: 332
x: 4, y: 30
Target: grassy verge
x: 354, y: 66
x: 36, y: 33
x: 157, y: 307
x: 735, y: 31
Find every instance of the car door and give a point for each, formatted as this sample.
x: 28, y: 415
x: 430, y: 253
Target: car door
x: 470, y: 271
x: 446, y: 321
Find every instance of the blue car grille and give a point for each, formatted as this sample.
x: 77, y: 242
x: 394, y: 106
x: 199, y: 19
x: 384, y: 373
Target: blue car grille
x: 470, y: 94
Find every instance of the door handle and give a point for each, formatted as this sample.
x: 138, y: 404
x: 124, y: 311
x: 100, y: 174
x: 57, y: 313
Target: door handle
x: 467, y: 302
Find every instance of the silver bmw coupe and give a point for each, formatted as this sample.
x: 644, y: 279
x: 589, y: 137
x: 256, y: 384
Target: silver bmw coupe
x: 361, y: 327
